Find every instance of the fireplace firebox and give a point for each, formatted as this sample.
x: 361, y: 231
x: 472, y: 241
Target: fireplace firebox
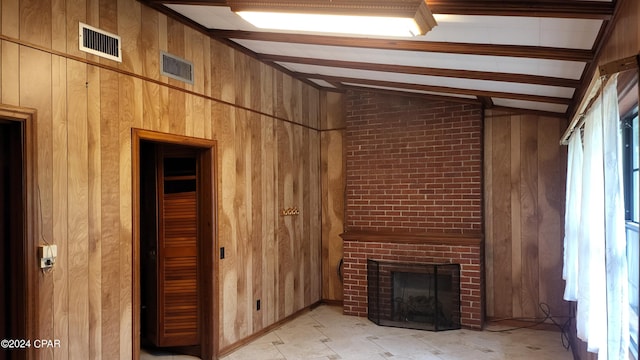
x: 414, y: 295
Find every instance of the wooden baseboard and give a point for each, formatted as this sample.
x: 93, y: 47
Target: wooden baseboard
x: 515, y: 323
x: 331, y: 302
x: 226, y: 350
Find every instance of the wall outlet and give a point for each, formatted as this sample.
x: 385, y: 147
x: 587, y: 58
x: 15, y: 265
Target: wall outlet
x: 47, y: 255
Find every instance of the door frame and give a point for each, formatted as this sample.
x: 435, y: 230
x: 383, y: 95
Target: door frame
x: 207, y: 242
x: 29, y: 294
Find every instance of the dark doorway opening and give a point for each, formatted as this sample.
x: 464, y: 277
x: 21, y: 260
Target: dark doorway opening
x: 12, y: 237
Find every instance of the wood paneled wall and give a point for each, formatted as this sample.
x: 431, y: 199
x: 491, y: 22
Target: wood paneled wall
x: 267, y: 129
x: 524, y: 181
x: 625, y: 38
x: 333, y: 193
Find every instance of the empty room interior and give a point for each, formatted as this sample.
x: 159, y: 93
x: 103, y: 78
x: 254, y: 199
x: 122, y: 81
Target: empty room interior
x: 181, y: 180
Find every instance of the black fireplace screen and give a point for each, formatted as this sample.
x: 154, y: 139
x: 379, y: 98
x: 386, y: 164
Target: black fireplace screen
x: 413, y: 295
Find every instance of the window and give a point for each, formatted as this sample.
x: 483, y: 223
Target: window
x: 630, y: 128
x: 632, y: 214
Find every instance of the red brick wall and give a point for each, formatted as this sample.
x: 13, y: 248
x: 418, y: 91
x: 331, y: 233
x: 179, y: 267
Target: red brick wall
x: 413, y: 166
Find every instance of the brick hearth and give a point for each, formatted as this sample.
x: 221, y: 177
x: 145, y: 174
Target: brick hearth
x: 411, y: 248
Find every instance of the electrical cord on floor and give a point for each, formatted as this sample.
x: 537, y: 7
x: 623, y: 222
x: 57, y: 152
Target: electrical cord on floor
x: 544, y: 307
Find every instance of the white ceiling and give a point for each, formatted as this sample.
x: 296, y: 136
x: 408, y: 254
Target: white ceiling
x: 555, y: 68
x: 496, y: 70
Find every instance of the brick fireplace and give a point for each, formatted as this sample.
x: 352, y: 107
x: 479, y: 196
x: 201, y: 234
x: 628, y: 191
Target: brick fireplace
x: 413, y: 191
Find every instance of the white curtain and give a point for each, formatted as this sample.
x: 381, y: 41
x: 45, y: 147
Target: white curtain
x: 591, y: 316
x: 615, y: 236
x: 595, y: 265
x: 572, y: 216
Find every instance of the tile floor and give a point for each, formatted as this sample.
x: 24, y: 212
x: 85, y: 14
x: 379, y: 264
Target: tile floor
x: 325, y: 333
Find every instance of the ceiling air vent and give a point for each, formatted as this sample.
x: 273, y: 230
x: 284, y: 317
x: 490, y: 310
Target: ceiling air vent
x: 176, y: 68
x: 99, y: 42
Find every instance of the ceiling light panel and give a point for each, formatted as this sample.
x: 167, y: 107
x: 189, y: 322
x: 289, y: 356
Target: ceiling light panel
x: 340, y: 24
x: 362, y: 17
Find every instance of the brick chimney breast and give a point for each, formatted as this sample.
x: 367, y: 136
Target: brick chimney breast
x: 413, y: 191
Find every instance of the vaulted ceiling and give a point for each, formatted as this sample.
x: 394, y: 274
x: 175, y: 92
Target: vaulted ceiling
x: 533, y: 55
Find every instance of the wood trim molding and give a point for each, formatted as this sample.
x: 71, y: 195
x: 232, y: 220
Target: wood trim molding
x: 117, y: 70
x: 546, y: 8
x: 486, y: 102
x: 207, y: 244
x: 614, y: 67
x: 427, y: 71
x: 518, y: 111
x: 31, y: 291
x: 430, y: 238
x: 425, y: 96
x: 228, y: 349
x: 590, y: 70
x: 534, y: 324
x: 191, y: 2
x: 329, y: 302
x: 440, y: 89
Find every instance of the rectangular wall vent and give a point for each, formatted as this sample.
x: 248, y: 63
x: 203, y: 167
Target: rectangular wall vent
x: 99, y: 42
x: 176, y: 68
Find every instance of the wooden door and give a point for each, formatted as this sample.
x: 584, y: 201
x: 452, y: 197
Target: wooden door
x: 171, y: 293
